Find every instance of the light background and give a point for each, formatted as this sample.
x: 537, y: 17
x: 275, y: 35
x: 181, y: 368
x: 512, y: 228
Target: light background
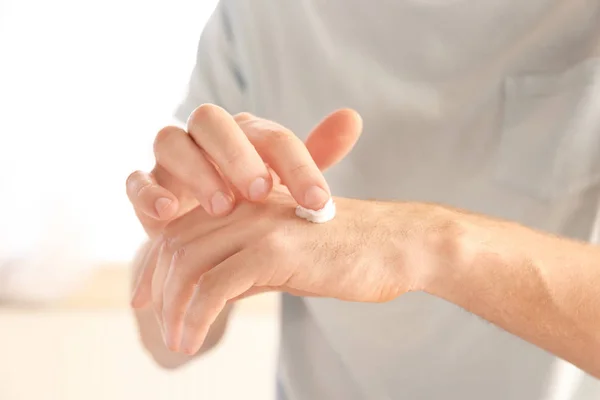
x: 84, y: 87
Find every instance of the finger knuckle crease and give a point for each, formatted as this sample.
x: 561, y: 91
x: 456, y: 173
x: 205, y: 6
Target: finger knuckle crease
x: 234, y: 156
x: 139, y: 191
x: 278, y: 137
x: 170, y: 241
x: 179, y: 255
x: 299, y: 170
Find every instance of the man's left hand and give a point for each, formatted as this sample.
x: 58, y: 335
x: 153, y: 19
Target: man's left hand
x: 206, y: 262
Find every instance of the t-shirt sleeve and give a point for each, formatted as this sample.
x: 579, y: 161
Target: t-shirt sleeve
x: 217, y: 76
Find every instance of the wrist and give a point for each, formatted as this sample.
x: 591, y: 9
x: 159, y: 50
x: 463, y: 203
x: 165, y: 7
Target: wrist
x: 442, y: 248
x: 461, y: 241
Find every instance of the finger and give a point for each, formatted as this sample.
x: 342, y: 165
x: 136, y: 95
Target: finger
x: 218, y: 133
x: 192, y: 261
x: 149, y: 198
x: 285, y: 153
x: 214, y: 290
x: 142, y: 293
x: 330, y: 141
x: 177, y: 153
x: 244, y: 117
x: 177, y: 242
x: 166, y: 253
x: 334, y: 137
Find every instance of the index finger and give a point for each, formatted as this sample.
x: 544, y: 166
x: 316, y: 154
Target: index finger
x: 290, y: 159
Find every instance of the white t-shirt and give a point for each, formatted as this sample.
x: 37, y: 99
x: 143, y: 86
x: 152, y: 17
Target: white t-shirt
x: 488, y: 105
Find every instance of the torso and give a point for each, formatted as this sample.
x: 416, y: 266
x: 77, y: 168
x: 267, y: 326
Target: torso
x: 493, y: 106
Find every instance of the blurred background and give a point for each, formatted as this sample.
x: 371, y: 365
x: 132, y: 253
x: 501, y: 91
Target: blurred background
x: 84, y: 87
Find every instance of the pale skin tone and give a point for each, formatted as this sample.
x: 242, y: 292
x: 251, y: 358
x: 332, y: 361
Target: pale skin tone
x: 202, y: 256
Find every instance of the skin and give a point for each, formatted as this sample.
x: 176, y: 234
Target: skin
x: 150, y: 332
x: 539, y: 287
x: 176, y: 185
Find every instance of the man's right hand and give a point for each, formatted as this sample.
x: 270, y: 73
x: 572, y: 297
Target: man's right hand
x: 223, y: 158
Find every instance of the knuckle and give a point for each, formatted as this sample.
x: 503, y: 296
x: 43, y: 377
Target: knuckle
x: 234, y: 156
x: 301, y: 170
x: 133, y: 179
x: 243, y: 117
x: 164, y: 137
x: 205, y: 112
x: 163, y: 142
x: 179, y: 255
x: 139, y: 192
x: 170, y: 241
x: 278, y: 137
x: 276, y: 241
x: 137, y: 183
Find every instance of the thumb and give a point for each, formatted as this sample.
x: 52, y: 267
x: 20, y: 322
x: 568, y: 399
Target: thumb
x: 334, y: 137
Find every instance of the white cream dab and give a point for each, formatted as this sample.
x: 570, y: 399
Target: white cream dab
x: 325, y: 214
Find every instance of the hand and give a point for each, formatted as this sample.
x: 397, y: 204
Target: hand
x: 218, y: 155
x: 222, y: 158
x: 361, y: 255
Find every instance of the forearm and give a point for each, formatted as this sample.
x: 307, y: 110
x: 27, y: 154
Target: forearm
x: 151, y: 336
x: 542, y: 288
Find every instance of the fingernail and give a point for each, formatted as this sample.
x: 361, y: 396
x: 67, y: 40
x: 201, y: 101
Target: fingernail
x: 220, y: 203
x: 315, y: 198
x: 161, y: 205
x: 258, y: 189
